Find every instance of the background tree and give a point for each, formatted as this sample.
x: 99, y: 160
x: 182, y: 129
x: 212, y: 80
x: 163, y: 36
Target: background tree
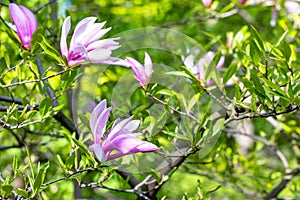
x: 222, y: 102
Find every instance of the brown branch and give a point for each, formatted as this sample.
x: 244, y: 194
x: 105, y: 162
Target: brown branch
x: 70, y: 175
x: 261, y: 115
x: 100, y: 185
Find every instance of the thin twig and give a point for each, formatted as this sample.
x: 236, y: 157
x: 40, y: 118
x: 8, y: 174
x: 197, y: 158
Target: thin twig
x: 172, y: 108
x: 261, y: 115
x: 70, y: 175
x: 44, y: 5
x: 34, y: 80
x: 100, y: 185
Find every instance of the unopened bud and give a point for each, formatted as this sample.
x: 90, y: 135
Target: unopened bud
x: 207, y: 3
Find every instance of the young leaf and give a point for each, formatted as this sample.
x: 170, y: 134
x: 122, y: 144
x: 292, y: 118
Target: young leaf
x: 258, y: 40
x: 50, y: 51
x: 22, y: 192
x: 211, y: 137
x: 45, y: 106
x: 255, y: 53
x: 212, y: 65
x: 230, y: 72
x: 39, y: 180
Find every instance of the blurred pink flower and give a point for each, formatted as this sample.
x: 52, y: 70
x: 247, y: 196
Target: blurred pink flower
x: 85, y: 45
x: 25, y: 23
x: 292, y: 7
x: 207, y: 3
x: 142, y: 73
x: 243, y: 1
x: 199, y: 68
x: 120, y: 140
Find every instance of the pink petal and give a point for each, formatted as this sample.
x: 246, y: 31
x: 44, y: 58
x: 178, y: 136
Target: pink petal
x: 100, y: 125
x: 221, y: 62
x: 25, y: 22
x: 96, y: 34
x: 31, y: 19
x: 148, y: 65
x: 128, y: 144
x: 104, y: 44
x: 96, y: 112
x: 189, y: 62
x: 99, y: 153
x: 138, y: 69
x: 116, y: 130
x: 115, y: 61
x: 64, y: 33
x: 207, y: 3
x: 98, y: 55
x: 80, y: 29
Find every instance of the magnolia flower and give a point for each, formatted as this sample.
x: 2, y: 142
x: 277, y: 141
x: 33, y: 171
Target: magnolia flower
x: 242, y: 1
x: 207, y: 3
x: 199, y: 68
x: 120, y: 140
x: 85, y: 45
x: 25, y: 23
x: 142, y: 73
x: 292, y: 7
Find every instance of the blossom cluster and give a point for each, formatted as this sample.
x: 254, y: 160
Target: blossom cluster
x: 86, y: 46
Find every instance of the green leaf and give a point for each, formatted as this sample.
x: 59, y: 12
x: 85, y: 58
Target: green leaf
x: 178, y: 73
x: 200, y: 129
x: 15, y: 165
x: 45, y: 106
x: 275, y: 87
x: 193, y: 101
x: 285, y: 49
x: 39, y: 180
x: 22, y: 192
x: 255, y: 53
x: 176, y: 135
x: 211, y: 137
x: 258, y: 40
x: 7, y: 188
x: 70, y: 162
x: 11, y: 33
x: 281, y: 38
x: 230, y: 72
x: 62, y: 164
x: 36, y: 37
x: 212, y: 65
x: 50, y: 51
x: 259, y: 90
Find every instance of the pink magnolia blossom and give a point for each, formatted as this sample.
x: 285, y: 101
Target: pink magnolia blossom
x: 293, y: 7
x: 242, y: 1
x: 85, y: 45
x: 25, y: 23
x: 120, y: 140
x: 199, y: 68
x: 207, y: 3
x: 142, y: 73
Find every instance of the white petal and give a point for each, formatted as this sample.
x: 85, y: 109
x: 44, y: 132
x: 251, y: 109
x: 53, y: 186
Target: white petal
x: 99, y: 153
x: 98, y: 55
